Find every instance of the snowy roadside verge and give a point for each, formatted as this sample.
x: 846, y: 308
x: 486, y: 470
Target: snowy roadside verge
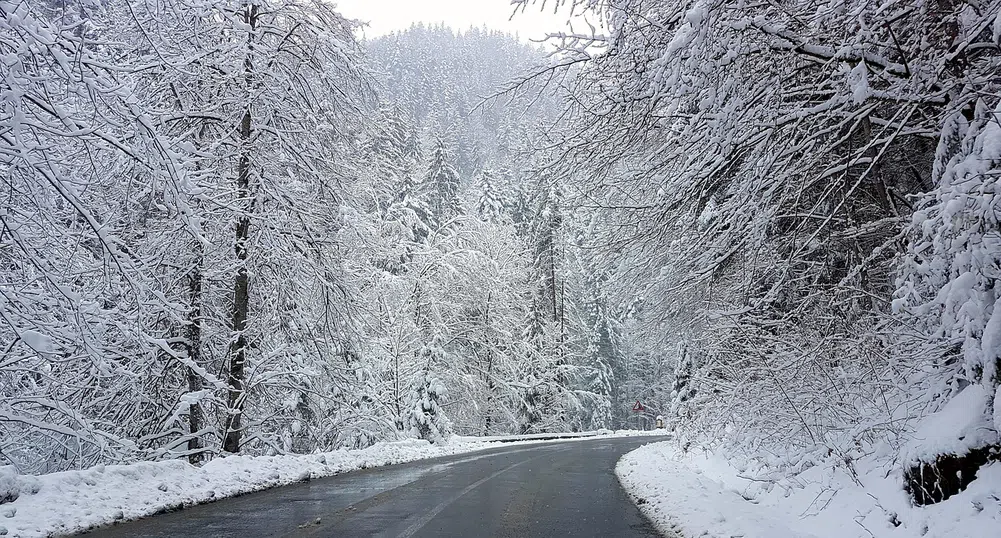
x: 699, y: 494
x: 74, y: 501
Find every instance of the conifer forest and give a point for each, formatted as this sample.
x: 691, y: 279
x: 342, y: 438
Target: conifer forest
x: 238, y: 227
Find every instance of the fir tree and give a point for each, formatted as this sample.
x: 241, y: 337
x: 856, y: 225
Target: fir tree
x: 443, y: 184
x: 427, y: 420
x: 490, y: 204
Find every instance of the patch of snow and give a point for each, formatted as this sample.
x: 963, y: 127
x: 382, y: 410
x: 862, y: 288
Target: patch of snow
x: 702, y: 494
x: 858, y: 82
x: 963, y: 424
x: 37, y: 341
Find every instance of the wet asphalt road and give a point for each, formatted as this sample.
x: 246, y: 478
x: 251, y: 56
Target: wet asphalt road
x: 553, y: 489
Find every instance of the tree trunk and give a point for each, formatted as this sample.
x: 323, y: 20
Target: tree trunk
x: 397, y: 391
x: 490, y: 368
x: 241, y: 284
x: 194, y: 344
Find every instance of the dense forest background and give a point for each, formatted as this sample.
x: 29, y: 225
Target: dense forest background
x: 228, y: 226
x: 232, y: 228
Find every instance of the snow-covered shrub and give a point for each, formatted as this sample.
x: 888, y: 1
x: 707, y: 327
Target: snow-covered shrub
x: 427, y: 419
x: 10, y: 490
x: 14, y: 485
x: 950, y: 285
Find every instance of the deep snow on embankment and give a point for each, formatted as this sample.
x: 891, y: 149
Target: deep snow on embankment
x: 700, y: 494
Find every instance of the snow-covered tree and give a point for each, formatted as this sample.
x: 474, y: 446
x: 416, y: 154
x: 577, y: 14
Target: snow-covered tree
x: 75, y: 282
x: 427, y: 419
x: 442, y: 182
x: 752, y: 166
x: 141, y: 177
x: 490, y: 202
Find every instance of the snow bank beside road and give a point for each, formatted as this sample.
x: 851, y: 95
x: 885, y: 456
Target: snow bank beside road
x: 698, y: 495
x: 74, y: 501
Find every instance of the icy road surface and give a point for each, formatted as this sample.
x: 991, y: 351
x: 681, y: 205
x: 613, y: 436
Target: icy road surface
x: 565, y: 488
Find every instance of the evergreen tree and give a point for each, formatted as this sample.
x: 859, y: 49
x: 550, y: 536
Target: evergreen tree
x: 490, y: 203
x: 681, y: 389
x: 442, y: 182
x: 427, y: 419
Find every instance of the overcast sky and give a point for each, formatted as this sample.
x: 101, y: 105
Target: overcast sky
x: 385, y: 16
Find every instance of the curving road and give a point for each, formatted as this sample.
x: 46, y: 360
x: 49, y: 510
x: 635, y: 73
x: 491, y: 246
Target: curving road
x: 555, y: 489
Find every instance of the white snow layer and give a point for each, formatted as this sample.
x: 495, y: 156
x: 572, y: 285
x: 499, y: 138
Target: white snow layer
x: 703, y: 495
x: 963, y: 424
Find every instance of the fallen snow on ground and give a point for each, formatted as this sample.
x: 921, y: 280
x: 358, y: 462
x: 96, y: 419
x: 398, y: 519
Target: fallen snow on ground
x: 698, y: 494
x: 960, y: 426
x: 73, y: 501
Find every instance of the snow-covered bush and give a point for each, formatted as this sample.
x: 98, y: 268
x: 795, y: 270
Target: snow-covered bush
x: 951, y: 272
x: 950, y: 285
x: 427, y: 419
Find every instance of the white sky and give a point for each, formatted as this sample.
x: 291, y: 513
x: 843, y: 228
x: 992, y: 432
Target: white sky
x: 385, y: 16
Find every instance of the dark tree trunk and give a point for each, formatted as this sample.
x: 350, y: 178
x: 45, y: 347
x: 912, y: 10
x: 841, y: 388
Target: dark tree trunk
x: 194, y: 344
x: 397, y: 390
x: 241, y: 284
x: 487, y: 423
x: 490, y: 368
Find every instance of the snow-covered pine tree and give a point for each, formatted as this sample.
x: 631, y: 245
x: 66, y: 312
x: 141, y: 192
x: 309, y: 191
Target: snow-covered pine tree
x: 949, y: 287
x: 682, y: 389
x: 426, y: 419
x: 442, y: 182
x: 490, y: 202
x: 592, y: 335
x: 947, y: 279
